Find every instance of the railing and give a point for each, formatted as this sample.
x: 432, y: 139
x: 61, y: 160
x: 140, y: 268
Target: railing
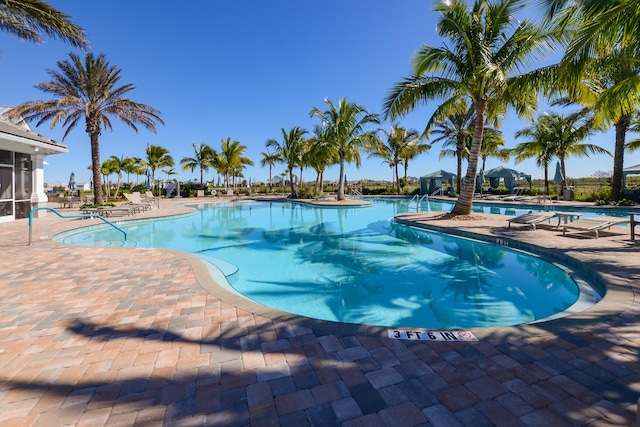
x: 438, y: 191
x: 354, y: 192
x: 418, y: 198
x: 70, y: 216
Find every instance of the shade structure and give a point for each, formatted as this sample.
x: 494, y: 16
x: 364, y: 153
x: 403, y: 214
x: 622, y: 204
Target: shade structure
x: 432, y: 181
x: 509, y: 177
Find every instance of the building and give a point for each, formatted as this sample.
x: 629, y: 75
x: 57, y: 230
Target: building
x: 22, y: 158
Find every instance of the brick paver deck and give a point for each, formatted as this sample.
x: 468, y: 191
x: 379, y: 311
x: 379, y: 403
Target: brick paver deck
x: 93, y: 336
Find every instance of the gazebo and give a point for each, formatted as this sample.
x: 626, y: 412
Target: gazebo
x: 509, y: 177
x: 431, y: 182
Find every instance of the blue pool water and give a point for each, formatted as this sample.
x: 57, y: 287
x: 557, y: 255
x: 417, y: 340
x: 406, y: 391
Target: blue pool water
x: 354, y: 265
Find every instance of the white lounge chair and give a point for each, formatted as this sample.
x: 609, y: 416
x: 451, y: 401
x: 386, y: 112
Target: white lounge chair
x: 532, y: 218
x: 135, y: 201
x: 595, y: 224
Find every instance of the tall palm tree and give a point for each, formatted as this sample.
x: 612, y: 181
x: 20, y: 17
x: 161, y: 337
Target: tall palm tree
x: 346, y: 132
x: 609, y: 90
x: 269, y: 159
x: 29, y: 19
x: 232, y: 158
x: 290, y: 150
x: 88, y: 91
x: 485, y: 48
x: 157, y: 157
x: 204, y: 157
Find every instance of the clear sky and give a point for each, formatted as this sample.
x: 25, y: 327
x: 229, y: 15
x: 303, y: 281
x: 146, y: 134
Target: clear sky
x: 244, y: 69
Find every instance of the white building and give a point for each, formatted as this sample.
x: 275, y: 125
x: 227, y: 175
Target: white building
x: 22, y: 155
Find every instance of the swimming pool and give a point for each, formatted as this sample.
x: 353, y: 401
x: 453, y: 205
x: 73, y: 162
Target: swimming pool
x: 354, y: 265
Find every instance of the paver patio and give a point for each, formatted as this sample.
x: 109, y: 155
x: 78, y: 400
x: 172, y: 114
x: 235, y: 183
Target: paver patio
x: 128, y: 336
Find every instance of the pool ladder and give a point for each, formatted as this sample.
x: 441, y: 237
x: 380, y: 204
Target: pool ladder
x: 419, y: 199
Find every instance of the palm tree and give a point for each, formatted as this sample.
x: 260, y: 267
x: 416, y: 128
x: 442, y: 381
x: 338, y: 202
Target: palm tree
x: 456, y: 131
x: 270, y: 159
x: 115, y: 165
x: 129, y: 166
x: 157, y: 157
x: 106, y: 169
x: 397, y: 145
x: 413, y: 149
x: 600, y: 27
x: 320, y: 155
x: 290, y: 151
x: 169, y: 172
x: 204, y: 157
x: 88, y: 90
x: 231, y: 158
x: 346, y: 132
x: 493, y: 146
x: 608, y: 90
x: 567, y: 134
x: 28, y: 20
x: 559, y: 136
x: 486, y: 48
x: 539, y: 145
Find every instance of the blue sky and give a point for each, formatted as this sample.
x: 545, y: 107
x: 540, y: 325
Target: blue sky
x: 241, y: 69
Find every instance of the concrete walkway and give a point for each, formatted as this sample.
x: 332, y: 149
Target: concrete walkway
x: 127, y: 336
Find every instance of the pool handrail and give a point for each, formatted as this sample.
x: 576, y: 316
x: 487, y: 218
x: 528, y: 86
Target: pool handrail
x: 91, y: 215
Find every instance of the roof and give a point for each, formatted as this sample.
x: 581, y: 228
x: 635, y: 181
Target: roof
x: 21, y: 133
x: 441, y: 174
x: 632, y: 169
x: 502, y: 172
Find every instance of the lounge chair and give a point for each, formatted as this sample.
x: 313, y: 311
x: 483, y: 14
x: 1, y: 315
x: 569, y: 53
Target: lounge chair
x: 515, y: 196
x: 595, y: 224
x: 532, y: 218
x: 110, y: 210
x: 136, y: 201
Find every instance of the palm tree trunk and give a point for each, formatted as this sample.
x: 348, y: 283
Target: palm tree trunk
x: 618, y: 157
x: 270, y: 185
x: 293, y: 189
x: 341, y: 181
x: 397, y: 178
x: 459, y: 149
x: 300, y: 185
x: 465, y: 199
x: 95, y: 162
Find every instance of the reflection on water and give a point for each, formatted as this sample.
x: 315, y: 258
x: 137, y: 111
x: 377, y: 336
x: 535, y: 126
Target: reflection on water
x: 353, y: 265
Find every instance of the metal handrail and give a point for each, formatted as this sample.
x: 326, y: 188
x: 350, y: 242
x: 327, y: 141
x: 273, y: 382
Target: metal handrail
x: 70, y: 216
x: 418, y: 198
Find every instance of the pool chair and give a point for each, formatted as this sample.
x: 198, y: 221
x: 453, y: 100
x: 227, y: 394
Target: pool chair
x: 532, y: 218
x: 595, y: 225
x: 134, y: 200
x: 515, y: 196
